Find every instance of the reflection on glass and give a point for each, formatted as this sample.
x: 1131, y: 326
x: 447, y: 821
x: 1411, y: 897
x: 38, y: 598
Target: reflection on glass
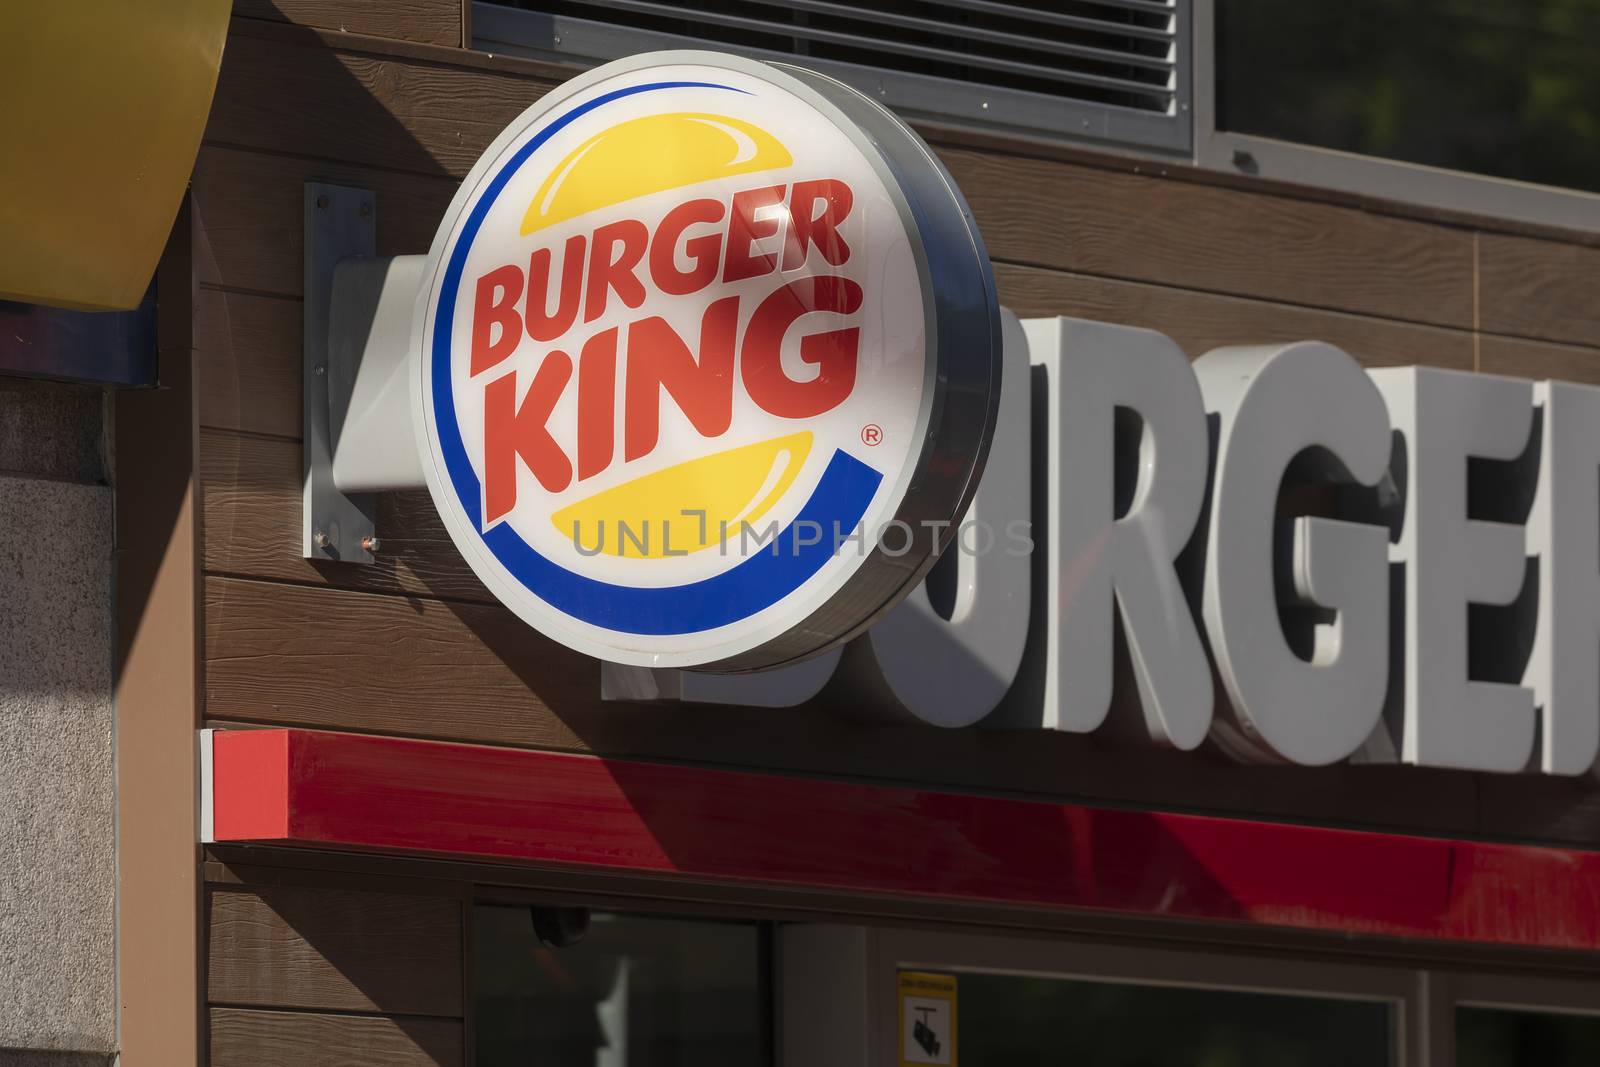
x: 1509, y: 89
x: 1490, y: 1037
x: 634, y: 992
x: 1006, y: 1020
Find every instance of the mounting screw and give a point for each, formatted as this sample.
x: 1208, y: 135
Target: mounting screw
x: 322, y: 201
x: 366, y: 209
x: 320, y: 539
x: 371, y: 544
x: 320, y: 369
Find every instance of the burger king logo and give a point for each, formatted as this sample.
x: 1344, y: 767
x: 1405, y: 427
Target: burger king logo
x: 708, y: 363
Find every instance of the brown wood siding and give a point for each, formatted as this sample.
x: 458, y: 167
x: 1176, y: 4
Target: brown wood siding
x: 1539, y: 289
x: 475, y: 672
x: 1539, y: 359
x: 1200, y: 321
x: 425, y: 21
x: 253, y: 502
x: 1050, y: 214
x: 334, y: 950
x: 419, y: 112
x: 414, y: 645
x: 320, y: 974
x: 255, y: 200
x: 245, y: 1038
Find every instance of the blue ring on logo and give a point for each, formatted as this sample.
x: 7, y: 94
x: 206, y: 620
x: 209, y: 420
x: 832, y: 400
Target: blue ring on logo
x: 835, y: 508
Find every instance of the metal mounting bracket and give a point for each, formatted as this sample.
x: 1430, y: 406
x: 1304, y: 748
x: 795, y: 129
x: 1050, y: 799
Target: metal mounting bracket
x: 340, y: 223
x: 358, y: 438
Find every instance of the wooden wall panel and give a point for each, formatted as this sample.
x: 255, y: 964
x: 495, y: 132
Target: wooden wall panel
x: 427, y: 21
x: 327, y: 659
x: 252, y: 515
x: 405, y: 114
x: 412, y: 114
x: 1199, y: 322
x: 1192, y: 236
x: 1558, y: 810
x: 1538, y: 359
x: 253, y: 205
x: 335, y: 950
x: 249, y: 354
x: 404, y: 665
x: 248, y: 1038
x: 1540, y: 289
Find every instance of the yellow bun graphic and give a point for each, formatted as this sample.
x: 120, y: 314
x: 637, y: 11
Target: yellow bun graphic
x: 731, y: 487
x: 648, y: 155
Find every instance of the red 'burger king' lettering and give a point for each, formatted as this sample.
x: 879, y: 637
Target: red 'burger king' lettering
x: 745, y: 229
x: 834, y: 352
x: 819, y: 228
x: 595, y: 267
x: 704, y: 250
x: 597, y: 403
x: 513, y: 431
x: 742, y: 238
x: 658, y: 361
x: 618, y: 248
x: 543, y: 325
x: 496, y: 306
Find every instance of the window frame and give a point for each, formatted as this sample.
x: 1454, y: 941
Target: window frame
x: 1538, y: 993
x: 1371, y: 176
x: 489, y: 895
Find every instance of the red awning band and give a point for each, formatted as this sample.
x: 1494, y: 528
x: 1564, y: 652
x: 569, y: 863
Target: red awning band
x: 345, y: 791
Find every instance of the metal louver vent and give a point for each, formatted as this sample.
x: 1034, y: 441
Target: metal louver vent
x: 1111, y: 70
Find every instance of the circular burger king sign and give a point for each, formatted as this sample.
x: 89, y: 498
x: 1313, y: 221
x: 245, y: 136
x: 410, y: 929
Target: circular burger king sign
x: 709, y: 363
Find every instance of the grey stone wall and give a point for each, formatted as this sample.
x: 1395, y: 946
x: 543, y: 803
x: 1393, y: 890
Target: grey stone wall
x: 57, y: 786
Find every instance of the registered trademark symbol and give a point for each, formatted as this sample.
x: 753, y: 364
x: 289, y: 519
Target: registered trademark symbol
x: 872, y: 434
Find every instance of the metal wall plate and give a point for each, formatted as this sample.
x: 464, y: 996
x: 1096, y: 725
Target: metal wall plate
x: 340, y: 223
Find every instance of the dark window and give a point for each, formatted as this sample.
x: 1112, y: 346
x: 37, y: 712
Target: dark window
x: 1508, y: 89
x: 631, y: 992
x: 1489, y: 1037
x: 1018, y: 1019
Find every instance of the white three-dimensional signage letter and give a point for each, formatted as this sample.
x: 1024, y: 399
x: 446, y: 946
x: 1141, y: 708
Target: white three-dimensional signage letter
x: 1274, y: 404
x: 1450, y: 561
x: 1564, y: 669
x: 1101, y: 566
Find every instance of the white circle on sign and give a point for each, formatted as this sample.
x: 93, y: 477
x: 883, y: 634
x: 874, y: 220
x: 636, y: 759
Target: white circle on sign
x: 658, y: 321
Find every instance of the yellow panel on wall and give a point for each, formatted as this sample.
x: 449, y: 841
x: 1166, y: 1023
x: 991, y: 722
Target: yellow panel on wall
x: 102, y: 104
